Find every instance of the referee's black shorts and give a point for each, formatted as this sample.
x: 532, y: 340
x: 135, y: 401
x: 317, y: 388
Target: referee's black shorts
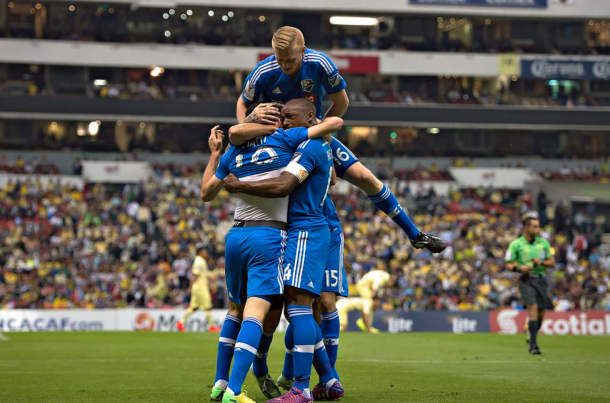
x: 534, y: 290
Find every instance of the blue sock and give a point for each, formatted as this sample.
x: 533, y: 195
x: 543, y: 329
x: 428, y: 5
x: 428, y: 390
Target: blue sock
x: 386, y: 202
x: 330, y: 333
x: 259, y: 367
x: 226, y: 344
x: 304, y: 335
x: 245, y: 350
x: 288, y: 371
x: 320, y: 361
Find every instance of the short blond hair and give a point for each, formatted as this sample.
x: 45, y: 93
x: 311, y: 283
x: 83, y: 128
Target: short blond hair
x: 288, y: 38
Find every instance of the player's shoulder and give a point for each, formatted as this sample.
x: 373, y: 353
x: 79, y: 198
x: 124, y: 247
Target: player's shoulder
x: 516, y: 242
x: 317, y: 59
x: 544, y: 241
x: 265, y: 68
x: 314, y: 145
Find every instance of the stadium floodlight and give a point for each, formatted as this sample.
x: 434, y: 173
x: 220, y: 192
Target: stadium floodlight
x: 183, y: 16
x: 93, y: 128
x: 165, y: 16
x: 356, y: 21
x: 156, y: 71
x: 225, y: 18
x: 99, y: 83
x: 211, y: 13
x: 172, y: 11
x: 168, y: 34
x: 434, y: 130
x: 230, y: 13
x: 189, y: 12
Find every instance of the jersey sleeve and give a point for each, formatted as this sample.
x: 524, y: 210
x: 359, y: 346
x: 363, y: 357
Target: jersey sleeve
x: 305, y: 160
x: 199, y: 266
x: 331, y: 79
x: 223, y: 167
x: 295, y: 137
x: 549, y: 251
x: 511, y: 253
x: 253, y: 87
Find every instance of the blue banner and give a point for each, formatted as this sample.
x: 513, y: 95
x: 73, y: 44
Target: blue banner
x: 566, y: 69
x: 483, y: 3
x: 439, y: 321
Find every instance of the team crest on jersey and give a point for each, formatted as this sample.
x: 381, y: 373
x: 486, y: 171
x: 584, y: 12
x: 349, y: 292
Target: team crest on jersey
x: 307, y: 85
x: 335, y: 80
x: 249, y: 91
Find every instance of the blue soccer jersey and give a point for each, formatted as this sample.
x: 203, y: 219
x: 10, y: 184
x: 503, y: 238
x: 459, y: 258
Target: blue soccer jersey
x: 312, y: 164
x: 308, y: 233
x: 331, y: 215
x: 254, y: 255
x: 317, y: 74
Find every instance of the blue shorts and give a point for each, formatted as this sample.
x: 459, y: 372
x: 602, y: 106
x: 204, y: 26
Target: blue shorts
x: 254, y: 259
x: 343, y: 158
x: 305, y: 259
x: 335, y: 279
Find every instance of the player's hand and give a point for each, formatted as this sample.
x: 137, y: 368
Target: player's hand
x: 537, y: 261
x: 231, y: 183
x: 215, y: 140
x: 266, y: 114
x: 525, y: 268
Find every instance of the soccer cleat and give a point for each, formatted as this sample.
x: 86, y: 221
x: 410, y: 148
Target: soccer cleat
x: 432, y: 243
x: 535, y: 350
x: 361, y: 325
x: 294, y: 395
x: 334, y: 393
x: 284, y: 383
x: 268, y: 386
x: 241, y: 398
x: 180, y: 327
x: 216, y: 395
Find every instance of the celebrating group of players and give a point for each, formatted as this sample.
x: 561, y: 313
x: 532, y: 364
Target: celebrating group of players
x: 285, y: 250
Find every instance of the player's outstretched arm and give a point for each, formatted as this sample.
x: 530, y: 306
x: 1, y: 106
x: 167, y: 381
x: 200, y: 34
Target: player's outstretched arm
x: 270, y: 188
x: 210, y: 184
x: 326, y: 127
x: 242, y: 133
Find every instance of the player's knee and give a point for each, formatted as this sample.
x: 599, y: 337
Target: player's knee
x: 327, y: 302
x: 297, y: 296
x: 236, y: 310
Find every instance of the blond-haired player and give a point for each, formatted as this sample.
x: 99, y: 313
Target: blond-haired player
x: 371, y: 283
x: 367, y: 308
x: 200, y: 292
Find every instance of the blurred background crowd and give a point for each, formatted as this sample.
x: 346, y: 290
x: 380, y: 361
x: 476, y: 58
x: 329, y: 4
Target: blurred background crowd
x: 132, y: 246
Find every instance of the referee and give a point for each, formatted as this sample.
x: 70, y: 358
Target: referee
x: 531, y: 255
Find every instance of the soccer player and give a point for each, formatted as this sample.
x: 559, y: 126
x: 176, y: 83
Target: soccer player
x: 531, y: 255
x: 254, y: 246
x: 365, y: 306
x: 200, y: 292
x: 295, y: 71
x: 306, y: 179
x: 369, y: 285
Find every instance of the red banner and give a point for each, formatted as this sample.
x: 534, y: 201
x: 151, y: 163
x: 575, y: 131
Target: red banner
x: 348, y: 64
x: 595, y: 323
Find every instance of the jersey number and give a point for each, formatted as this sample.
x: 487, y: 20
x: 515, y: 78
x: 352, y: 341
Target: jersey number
x: 239, y: 160
x: 332, y: 275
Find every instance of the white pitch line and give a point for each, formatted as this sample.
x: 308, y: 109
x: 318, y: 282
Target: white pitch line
x: 471, y: 361
x: 3, y: 337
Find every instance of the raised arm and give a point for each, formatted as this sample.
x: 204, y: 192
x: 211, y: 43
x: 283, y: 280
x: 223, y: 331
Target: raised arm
x: 242, y: 133
x: 340, y: 103
x: 210, y: 184
x: 270, y: 188
x: 326, y: 127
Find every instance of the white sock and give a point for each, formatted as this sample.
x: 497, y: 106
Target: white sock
x: 221, y: 383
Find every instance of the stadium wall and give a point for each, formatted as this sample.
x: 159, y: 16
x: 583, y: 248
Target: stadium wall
x: 508, y: 321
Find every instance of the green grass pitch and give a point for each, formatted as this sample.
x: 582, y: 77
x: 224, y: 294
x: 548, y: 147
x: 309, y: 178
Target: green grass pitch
x: 417, y: 367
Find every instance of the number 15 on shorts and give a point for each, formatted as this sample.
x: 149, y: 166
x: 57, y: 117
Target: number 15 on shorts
x: 332, y: 278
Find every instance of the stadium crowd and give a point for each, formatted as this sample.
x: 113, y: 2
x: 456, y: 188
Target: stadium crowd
x: 108, y: 246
